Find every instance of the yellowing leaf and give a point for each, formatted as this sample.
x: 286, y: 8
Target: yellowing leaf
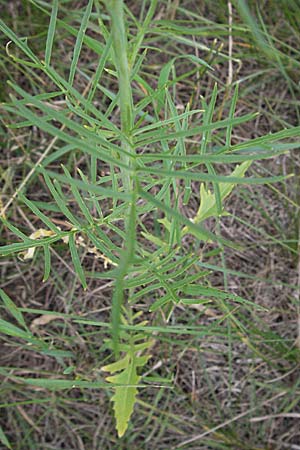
x: 155, y: 240
x: 208, y: 205
x: 167, y: 224
x: 40, y: 233
x: 124, y: 396
x: 117, y: 366
x: 125, y: 384
x: 2, y: 210
x: 43, y: 320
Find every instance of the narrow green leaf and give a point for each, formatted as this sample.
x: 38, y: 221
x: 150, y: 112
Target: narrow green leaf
x: 15, y: 230
x: 162, y: 123
x: 88, y: 187
x: 160, y: 302
x: 13, y: 309
x: 211, y: 177
x: 47, y: 262
x: 80, y: 130
x: 100, y: 67
x: 51, y: 32
x: 195, y: 229
x: 78, y: 198
x: 76, y: 260
x: 11, y: 330
x: 79, y: 40
x: 60, y: 202
x: 21, y: 246
x: 19, y: 42
x: 4, y: 439
x: 198, y: 290
x: 216, y: 158
x: 207, y: 120
x: 40, y: 215
x: 231, y: 115
x: 151, y: 137
x: 165, y: 72
x: 57, y: 384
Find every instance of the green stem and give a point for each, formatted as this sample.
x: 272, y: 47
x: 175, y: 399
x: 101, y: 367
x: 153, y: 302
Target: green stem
x: 120, y: 44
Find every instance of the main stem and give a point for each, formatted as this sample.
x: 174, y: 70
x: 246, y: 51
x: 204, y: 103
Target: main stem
x: 120, y: 46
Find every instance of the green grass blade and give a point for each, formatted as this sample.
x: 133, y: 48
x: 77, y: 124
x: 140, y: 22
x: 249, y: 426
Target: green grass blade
x: 13, y: 309
x: 231, y: 115
x: 212, y: 177
x: 100, y: 68
x: 11, y: 330
x: 20, y: 43
x: 14, y: 229
x: 51, y: 33
x: 79, y: 41
x: 217, y: 159
x: 152, y: 137
x: 207, y: 120
x: 4, y: 439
